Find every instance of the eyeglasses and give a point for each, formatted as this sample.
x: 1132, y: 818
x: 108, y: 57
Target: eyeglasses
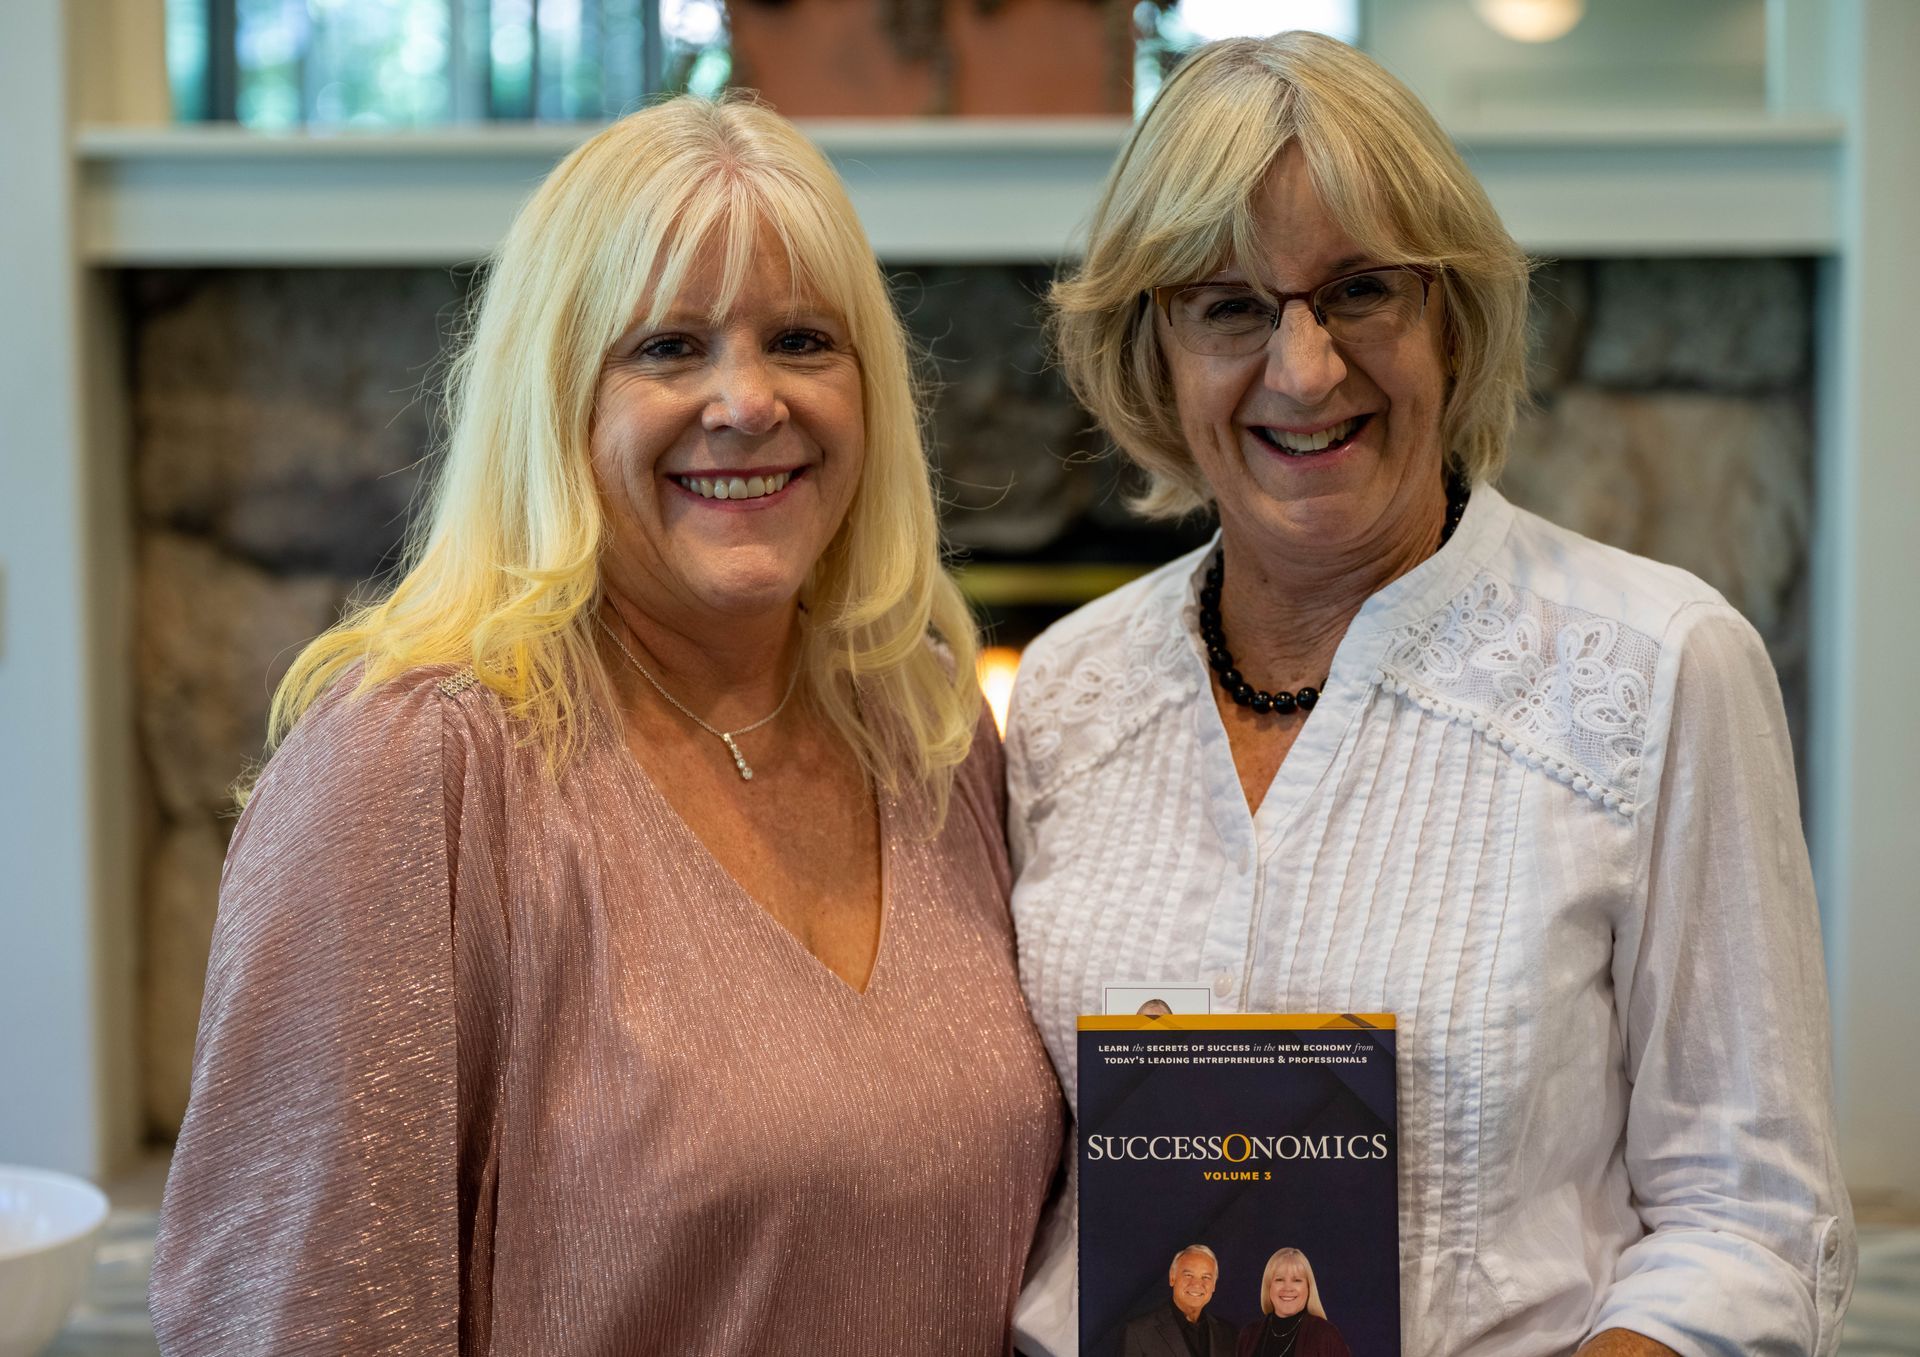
x: 1232, y: 320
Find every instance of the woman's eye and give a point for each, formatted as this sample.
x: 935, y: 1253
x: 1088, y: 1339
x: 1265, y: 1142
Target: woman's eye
x: 665, y: 348
x: 1235, y: 308
x: 802, y: 342
x: 1364, y: 288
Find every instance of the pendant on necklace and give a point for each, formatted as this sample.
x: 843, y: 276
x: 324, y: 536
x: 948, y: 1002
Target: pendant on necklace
x: 739, y: 759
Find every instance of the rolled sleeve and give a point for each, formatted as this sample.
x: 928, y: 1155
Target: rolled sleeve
x: 1721, y: 995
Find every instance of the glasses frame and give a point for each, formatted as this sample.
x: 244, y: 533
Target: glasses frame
x: 1163, y: 295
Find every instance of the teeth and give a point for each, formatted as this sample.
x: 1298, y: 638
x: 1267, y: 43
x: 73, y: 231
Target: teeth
x: 1314, y: 442
x: 735, y: 487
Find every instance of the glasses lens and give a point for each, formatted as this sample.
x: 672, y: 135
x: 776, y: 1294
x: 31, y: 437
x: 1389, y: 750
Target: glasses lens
x: 1220, y: 318
x: 1370, y: 307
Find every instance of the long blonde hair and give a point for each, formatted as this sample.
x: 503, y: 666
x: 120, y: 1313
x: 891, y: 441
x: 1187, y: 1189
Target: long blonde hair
x: 502, y: 570
x: 1181, y: 203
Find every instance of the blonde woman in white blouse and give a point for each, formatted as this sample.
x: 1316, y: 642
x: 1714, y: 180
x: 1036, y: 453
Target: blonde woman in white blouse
x: 1390, y: 744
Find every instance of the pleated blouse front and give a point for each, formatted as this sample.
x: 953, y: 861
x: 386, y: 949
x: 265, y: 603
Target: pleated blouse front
x: 494, y: 1064
x: 1545, y: 813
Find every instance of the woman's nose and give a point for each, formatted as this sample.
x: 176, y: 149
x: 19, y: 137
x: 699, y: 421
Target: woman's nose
x: 1303, y: 362
x: 743, y: 397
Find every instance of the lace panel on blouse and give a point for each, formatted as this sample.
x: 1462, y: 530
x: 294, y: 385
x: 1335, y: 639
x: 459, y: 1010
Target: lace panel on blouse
x: 1564, y: 690
x: 1087, y: 700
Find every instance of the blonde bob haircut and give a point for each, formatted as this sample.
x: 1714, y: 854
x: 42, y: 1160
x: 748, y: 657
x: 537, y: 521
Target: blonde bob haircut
x: 1281, y: 1257
x: 502, y: 570
x: 1180, y: 204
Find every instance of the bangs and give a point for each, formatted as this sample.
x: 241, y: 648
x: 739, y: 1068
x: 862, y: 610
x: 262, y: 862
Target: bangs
x: 1370, y: 195
x: 1376, y: 183
x: 1193, y: 200
x: 1361, y: 201
x: 731, y: 222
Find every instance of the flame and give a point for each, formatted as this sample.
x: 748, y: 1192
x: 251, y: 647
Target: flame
x: 995, y: 669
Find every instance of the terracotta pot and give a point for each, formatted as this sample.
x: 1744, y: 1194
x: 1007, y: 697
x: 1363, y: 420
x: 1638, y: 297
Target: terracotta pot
x: 1024, y: 58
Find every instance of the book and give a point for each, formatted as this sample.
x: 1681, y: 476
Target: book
x: 1263, y: 1144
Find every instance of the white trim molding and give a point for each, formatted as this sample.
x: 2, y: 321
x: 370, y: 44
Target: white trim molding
x: 973, y: 191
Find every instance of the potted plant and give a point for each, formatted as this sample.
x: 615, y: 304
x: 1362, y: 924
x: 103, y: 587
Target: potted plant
x: 908, y: 58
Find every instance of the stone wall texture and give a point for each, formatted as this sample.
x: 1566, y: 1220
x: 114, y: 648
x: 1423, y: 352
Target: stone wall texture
x: 282, y: 419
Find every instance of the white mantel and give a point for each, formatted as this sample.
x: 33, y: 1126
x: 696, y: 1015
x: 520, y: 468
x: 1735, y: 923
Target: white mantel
x: 973, y: 191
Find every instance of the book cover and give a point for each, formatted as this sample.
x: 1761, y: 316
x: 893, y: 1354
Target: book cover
x: 1227, y: 1159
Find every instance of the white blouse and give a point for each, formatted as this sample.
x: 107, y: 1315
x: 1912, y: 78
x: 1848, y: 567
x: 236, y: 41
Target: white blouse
x: 1545, y: 813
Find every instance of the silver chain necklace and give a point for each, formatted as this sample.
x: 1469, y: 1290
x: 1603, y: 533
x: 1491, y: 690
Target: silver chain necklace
x: 724, y: 736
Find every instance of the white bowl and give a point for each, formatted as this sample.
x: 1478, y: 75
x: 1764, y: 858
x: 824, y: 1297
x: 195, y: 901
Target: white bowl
x: 47, y: 1226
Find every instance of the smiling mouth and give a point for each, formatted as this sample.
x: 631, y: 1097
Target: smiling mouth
x: 1330, y: 439
x: 735, y: 487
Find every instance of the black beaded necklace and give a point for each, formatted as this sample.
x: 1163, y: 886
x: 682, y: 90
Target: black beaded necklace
x: 1282, y: 703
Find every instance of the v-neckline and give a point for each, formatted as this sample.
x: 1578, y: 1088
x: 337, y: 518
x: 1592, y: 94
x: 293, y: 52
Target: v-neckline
x: 1307, y: 759
x: 1305, y: 764
x: 1349, y: 683
x: 739, y: 898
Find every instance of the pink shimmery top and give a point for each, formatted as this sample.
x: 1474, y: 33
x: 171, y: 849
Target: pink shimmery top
x: 494, y: 1064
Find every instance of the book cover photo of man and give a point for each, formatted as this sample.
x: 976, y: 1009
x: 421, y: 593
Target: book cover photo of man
x: 1181, y: 1326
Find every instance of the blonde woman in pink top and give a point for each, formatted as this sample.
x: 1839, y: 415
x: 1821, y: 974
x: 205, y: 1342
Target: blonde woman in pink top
x: 614, y: 956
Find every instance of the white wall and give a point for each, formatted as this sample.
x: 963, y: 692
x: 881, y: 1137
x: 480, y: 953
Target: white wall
x: 1712, y: 54
x: 66, y: 976
x: 1866, y: 625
